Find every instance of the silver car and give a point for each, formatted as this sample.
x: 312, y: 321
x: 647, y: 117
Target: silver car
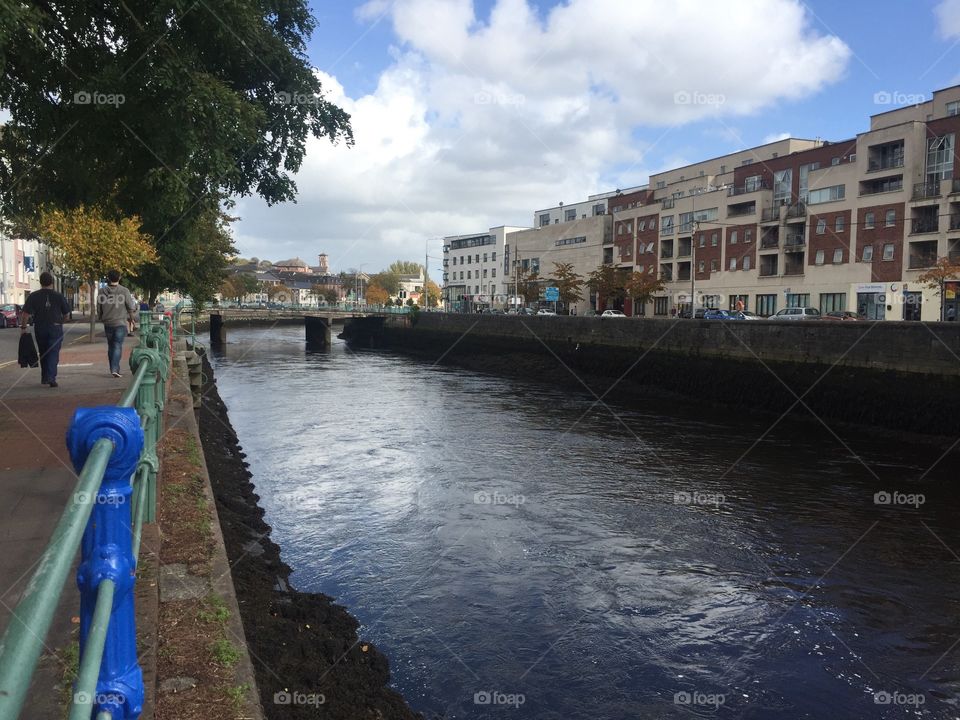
x: 797, y: 313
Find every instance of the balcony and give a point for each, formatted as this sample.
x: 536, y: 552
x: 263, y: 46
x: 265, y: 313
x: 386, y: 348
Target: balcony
x: 794, y: 240
x: 797, y: 210
x: 925, y: 225
x: 742, y: 210
x: 769, y: 241
x: 919, y: 262
x: 926, y: 190
x: 683, y: 275
x: 885, y: 164
x: 885, y: 185
x: 955, y: 186
x: 770, y: 214
x: 798, y: 270
x: 665, y: 253
x: 666, y: 273
x: 667, y: 203
x: 749, y: 188
x: 686, y: 228
x: 768, y: 272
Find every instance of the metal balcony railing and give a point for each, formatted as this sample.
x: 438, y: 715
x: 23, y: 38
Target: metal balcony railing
x: 797, y: 210
x: 794, y: 240
x: 665, y: 253
x: 741, y: 210
x: 923, y: 190
x: 748, y: 188
x: 770, y: 214
x: 955, y: 186
x: 925, y: 225
x: 769, y: 241
x: 767, y: 272
x: 886, y: 164
x: 114, y: 451
x: 667, y: 203
x: 922, y: 261
x: 683, y: 252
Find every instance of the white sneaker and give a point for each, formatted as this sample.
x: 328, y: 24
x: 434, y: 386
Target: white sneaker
x: 115, y: 374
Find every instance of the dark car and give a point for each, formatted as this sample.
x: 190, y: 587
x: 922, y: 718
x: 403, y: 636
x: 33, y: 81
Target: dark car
x: 685, y: 314
x: 714, y: 314
x: 842, y: 315
x: 9, y: 316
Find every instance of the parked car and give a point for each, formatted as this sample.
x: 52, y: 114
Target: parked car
x: 492, y: 311
x: 544, y: 311
x: 797, y: 313
x: 612, y: 313
x: 685, y: 314
x: 747, y: 315
x: 842, y: 315
x: 525, y: 311
x: 9, y: 316
x: 591, y: 313
x: 714, y: 314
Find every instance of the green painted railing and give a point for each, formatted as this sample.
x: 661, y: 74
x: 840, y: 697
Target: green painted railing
x: 114, y: 450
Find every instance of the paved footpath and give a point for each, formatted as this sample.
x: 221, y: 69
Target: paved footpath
x: 36, y: 476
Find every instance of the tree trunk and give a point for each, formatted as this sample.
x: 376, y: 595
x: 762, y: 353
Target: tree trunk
x: 93, y: 307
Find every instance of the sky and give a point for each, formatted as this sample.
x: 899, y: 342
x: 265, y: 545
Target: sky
x: 469, y: 114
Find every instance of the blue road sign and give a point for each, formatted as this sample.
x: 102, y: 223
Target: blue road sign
x: 552, y: 294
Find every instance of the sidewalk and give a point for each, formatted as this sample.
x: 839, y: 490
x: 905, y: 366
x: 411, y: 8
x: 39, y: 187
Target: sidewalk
x: 36, y: 476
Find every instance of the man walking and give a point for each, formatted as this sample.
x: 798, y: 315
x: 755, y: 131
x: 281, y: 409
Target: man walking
x: 116, y: 309
x: 47, y: 307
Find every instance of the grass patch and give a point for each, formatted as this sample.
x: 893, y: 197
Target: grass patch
x: 238, y: 695
x: 214, y: 610
x: 224, y: 652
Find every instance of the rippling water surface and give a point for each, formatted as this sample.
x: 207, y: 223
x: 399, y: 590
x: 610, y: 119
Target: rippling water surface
x: 504, y: 541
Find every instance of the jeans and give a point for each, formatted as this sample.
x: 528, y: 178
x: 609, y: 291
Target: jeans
x: 49, y: 339
x: 115, y: 335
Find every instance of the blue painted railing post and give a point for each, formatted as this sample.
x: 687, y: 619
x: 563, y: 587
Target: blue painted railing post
x: 106, y: 554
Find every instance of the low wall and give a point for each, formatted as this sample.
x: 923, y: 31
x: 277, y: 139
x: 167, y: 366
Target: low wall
x: 903, y: 376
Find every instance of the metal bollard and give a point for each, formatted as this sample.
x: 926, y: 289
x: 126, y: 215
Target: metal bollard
x: 107, y: 554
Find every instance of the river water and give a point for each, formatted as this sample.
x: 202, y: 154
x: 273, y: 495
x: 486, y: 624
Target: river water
x: 519, y: 551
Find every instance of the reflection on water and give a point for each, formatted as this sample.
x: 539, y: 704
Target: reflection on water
x: 504, y: 542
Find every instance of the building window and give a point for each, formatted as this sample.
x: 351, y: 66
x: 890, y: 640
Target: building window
x: 827, y: 194
x: 832, y: 302
x: 660, y: 306
x: 484, y: 273
x: 468, y: 275
x: 746, y: 262
x: 653, y: 224
x: 782, y: 185
x: 493, y: 273
x: 852, y: 157
x: 953, y: 108
x: 477, y: 258
x: 599, y: 209
x: 819, y: 260
x: 867, y: 253
x: 798, y: 300
x: 703, y: 240
x: 723, y: 169
x: 713, y: 240
x: 821, y: 226
x: 643, y: 226
x: 713, y: 265
x: 733, y: 263
x: 835, y: 161
x: 650, y: 269
x: 838, y: 256
x: 544, y: 219
x: 493, y: 257
x: 891, y: 218
x: 766, y: 305
x: 839, y: 224
x: 569, y: 215
x: 733, y: 237
x: 939, y: 158
x: 701, y: 266
x: 484, y: 257
x: 454, y: 259
x: 868, y: 220
x: 661, y: 184
x: 888, y: 251
x: 748, y: 236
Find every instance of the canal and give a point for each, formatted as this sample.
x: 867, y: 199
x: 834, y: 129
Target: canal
x: 517, y: 550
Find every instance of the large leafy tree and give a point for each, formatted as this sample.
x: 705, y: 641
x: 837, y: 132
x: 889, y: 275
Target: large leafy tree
x: 405, y: 267
x: 164, y: 110
x: 388, y: 280
x: 88, y: 244
x: 608, y: 282
x: 641, y: 287
x: 568, y: 282
x: 937, y: 277
x: 376, y: 295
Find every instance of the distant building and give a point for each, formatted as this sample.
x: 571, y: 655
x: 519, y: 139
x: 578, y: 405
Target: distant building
x: 475, y: 268
x: 294, y: 265
x: 21, y: 262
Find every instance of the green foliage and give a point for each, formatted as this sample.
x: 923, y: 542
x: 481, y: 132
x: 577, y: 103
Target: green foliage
x: 608, y: 282
x: 405, y: 267
x: 568, y: 283
x: 388, y: 280
x: 160, y: 111
x: 224, y: 652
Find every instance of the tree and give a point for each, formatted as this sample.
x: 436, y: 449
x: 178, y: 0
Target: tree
x: 641, y: 287
x: 160, y: 113
x: 936, y: 279
x: 608, y: 283
x: 88, y: 244
x: 238, y: 285
x: 388, y: 280
x: 405, y: 267
x: 433, y: 294
x: 376, y: 295
x: 568, y: 283
x: 331, y: 295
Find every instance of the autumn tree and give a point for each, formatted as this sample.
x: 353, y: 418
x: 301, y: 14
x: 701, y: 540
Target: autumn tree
x: 937, y: 277
x: 608, y: 282
x: 376, y: 295
x: 528, y: 285
x: 388, y: 280
x: 569, y: 284
x: 433, y: 294
x: 88, y: 244
x: 641, y: 287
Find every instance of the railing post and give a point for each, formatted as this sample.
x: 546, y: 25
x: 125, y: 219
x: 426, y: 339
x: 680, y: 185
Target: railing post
x: 148, y: 407
x: 106, y: 553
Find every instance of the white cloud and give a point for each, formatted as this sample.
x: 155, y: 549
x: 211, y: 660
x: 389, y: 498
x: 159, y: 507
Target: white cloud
x: 479, y: 123
x: 947, y: 14
x: 773, y: 137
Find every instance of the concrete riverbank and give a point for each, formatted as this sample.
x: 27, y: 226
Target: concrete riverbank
x: 900, y: 376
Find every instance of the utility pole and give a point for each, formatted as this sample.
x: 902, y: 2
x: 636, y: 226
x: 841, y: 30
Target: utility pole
x: 693, y: 264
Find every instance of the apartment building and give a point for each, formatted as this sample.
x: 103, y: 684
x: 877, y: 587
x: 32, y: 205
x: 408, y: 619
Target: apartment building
x: 475, y: 269
x: 848, y: 225
x: 594, y: 205
x: 21, y: 262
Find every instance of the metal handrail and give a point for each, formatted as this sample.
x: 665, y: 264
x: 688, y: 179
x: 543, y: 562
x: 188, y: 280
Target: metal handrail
x: 109, y: 446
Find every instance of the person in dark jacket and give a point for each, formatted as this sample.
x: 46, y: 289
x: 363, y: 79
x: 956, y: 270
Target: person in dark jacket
x: 48, y: 308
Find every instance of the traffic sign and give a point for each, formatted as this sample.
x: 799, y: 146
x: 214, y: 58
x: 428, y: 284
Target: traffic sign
x: 552, y: 294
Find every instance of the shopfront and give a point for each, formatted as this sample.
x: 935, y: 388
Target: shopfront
x: 872, y: 301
